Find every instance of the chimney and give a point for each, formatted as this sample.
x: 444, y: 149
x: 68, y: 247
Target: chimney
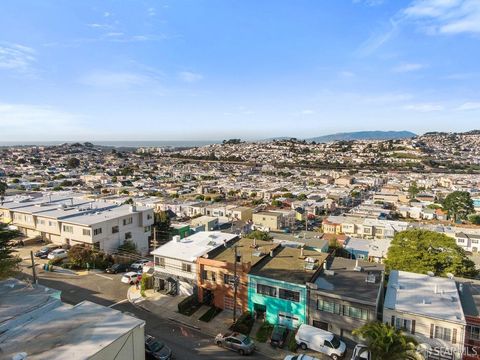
x: 271, y: 253
x: 302, y: 253
x: 325, y: 266
x: 132, y: 208
x: 225, y: 243
x: 356, y: 263
x: 254, y: 243
x: 436, y: 289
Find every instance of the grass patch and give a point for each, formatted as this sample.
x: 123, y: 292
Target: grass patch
x: 189, y: 305
x: 264, y: 332
x: 210, y: 314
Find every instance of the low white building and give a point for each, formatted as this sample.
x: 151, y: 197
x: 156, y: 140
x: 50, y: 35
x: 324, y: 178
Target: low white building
x: 176, y: 261
x: 428, y: 308
x: 35, y: 322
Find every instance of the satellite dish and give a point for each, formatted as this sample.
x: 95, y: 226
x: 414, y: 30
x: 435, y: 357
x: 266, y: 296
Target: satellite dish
x: 430, y: 273
x: 450, y: 275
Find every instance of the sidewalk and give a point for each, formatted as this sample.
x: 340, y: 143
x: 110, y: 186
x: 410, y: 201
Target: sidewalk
x: 165, y: 306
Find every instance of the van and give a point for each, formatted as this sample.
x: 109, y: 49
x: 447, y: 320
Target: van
x: 309, y: 337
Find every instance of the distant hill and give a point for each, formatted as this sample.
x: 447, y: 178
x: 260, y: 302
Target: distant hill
x: 364, y: 135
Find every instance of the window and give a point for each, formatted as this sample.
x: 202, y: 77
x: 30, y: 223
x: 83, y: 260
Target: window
x: 41, y: 222
x: 355, y: 313
x: 149, y: 216
x: 266, y: 290
x: 97, y: 231
x: 146, y: 229
x: 289, y: 295
x: 160, y: 262
x: 473, y: 332
x: 328, y: 306
x: 115, y: 229
x: 186, y: 267
x: 208, y: 275
x: 128, y: 235
x: 443, y: 333
x: 67, y: 228
x: 228, y: 279
x: 127, y: 221
x: 474, y: 241
x: 86, y: 232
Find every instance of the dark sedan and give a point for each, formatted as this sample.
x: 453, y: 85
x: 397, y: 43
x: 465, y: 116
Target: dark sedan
x: 155, y: 349
x: 44, y: 251
x: 279, y: 335
x: 117, y: 268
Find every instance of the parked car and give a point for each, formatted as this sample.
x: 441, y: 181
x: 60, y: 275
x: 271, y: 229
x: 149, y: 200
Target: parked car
x: 236, y: 342
x: 44, y: 251
x: 279, y: 335
x: 131, y: 278
x: 309, y: 337
x: 299, y: 357
x: 361, y: 352
x: 57, y: 254
x: 117, y: 268
x: 155, y: 349
x: 138, y: 265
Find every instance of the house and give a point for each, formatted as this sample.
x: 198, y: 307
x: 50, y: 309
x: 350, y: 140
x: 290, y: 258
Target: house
x: 469, y: 291
x: 66, y: 219
x: 217, y: 268
x: 428, y: 308
x: 242, y: 213
x: 209, y: 223
x: 345, y: 295
x: 175, y: 263
x: 268, y: 220
x: 468, y: 241
x: 277, y: 288
x: 372, y: 250
x: 36, y: 322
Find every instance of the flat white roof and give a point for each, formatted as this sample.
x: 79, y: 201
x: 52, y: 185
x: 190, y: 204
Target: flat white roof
x: 193, y: 246
x: 424, y: 295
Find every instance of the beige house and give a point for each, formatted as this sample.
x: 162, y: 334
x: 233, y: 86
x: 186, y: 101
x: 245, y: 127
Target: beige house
x: 268, y: 219
x: 428, y: 308
x: 242, y: 213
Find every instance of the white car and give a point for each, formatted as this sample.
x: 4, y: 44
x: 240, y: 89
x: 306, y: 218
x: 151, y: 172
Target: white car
x: 299, y: 357
x: 131, y: 278
x: 57, y: 254
x: 361, y: 353
x: 138, y: 265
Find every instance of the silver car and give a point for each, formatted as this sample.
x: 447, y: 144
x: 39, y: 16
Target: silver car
x: 236, y: 342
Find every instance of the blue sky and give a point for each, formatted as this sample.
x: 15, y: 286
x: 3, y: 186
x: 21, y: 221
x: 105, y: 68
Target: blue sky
x: 194, y: 69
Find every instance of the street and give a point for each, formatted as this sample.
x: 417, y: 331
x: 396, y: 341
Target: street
x: 106, y: 289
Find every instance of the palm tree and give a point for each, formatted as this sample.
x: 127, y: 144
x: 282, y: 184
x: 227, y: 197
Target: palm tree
x: 385, y: 342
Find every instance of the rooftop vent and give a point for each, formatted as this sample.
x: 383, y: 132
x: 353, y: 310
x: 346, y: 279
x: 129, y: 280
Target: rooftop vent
x: 371, y: 279
x: 329, y: 272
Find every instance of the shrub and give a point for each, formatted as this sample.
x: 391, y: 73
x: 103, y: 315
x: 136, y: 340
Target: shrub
x: 210, y: 314
x: 55, y: 261
x: 79, y: 256
x: 292, y: 344
x: 264, y: 332
x: 244, y: 323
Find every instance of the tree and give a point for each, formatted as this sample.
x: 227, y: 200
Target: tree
x: 3, y: 189
x: 162, y: 225
x: 259, y: 235
x: 458, y: 204
x: 8, y: 261
x: 385, y: 341
x: 420, y: 251
x: 73, y: 163
x: 413, y: 190
x: 474, y: 219
x: 79, y: 256
x: 302, y: 197
x: 128, y: 246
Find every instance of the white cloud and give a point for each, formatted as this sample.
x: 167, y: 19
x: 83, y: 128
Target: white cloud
x: 99, y: 26
x: 16, y: 57
x: 346, y: 74
x: 151, y: 11
x: 446, y: 16
x: 37, y: 122
x: 379, y: 39
x: 402, y: 68
x: 307, y: 112
x: 106, y: 79
x: 469, y: 106
x: 424, y: 107
x: 190, y: 77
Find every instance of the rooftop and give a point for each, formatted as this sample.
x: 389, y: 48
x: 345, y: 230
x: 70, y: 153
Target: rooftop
x: 424, y: 295
x: 288, y: 265
x: 60, y: 331
x: 193, y: 246
x: 343, y: 280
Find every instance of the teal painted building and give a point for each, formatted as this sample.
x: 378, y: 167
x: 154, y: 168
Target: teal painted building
x: 277, y: 288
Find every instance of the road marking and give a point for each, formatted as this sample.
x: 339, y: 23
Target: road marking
x: 118, y: 303
x: 103, y: 276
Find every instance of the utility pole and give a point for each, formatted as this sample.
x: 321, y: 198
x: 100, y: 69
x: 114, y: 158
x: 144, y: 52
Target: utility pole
x: 34, y: 271
x: 235, y: 286
x: 154, y: 238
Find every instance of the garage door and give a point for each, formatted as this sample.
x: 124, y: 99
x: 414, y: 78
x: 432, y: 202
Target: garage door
x: 288, y: 320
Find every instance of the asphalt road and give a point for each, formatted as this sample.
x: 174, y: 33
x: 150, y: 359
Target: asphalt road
x: 107, y: 290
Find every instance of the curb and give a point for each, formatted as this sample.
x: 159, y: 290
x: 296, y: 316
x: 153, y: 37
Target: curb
x: 184, y: 323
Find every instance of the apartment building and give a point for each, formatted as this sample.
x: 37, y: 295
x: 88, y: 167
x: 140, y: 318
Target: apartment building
x: 428, y: 308
x: 175, y: 263
x: 345, y: 295
x: 469, y: 291
x: 66, y: 220
x: 268, y: 220
x: 216, y: 272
